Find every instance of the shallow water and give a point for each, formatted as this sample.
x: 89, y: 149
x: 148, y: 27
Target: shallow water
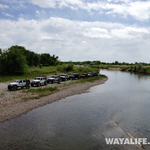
x: 82, y: 122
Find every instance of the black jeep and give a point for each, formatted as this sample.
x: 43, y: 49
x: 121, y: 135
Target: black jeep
x: 74, y: 76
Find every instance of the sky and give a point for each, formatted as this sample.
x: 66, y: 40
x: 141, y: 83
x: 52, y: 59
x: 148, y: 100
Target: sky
x: 79, y: 30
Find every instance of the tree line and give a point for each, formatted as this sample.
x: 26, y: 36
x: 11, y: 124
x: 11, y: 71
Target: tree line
x: 17, y: 59
x: 97, y: 62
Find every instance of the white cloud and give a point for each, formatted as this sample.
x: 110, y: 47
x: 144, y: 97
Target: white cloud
x: 96, y: 33
x: 140, y: 10
x: 45, y: 3
x: 84, y: 42
x: 37, y: 12
x: 3, y: 6
x: 7, y: 14
x: 59, y: 3
x: 75, y: 40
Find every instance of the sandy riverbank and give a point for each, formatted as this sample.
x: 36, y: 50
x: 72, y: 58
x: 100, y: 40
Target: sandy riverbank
x: 15, y: 109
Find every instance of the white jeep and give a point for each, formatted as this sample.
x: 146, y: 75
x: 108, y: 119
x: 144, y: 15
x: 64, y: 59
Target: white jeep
x: 21, y: 83
x: 38, y: 81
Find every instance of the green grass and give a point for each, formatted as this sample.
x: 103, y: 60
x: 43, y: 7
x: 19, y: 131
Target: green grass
x: 46, y: 89
x: 41, y: 92
x: 32, y: 72
x: 113, y: 66
x: 147, y: 69
x: 91, y: 79
x: 143, y: 69
x: 2, y: 94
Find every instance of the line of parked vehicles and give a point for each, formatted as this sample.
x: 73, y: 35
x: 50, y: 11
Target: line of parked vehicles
x: 43, y: 80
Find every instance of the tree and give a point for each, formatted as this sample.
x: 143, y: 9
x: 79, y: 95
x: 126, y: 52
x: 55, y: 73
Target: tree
x: 12, y: 61
x: 37, y: 59
x: 96, y: 62
x: 116, y: 62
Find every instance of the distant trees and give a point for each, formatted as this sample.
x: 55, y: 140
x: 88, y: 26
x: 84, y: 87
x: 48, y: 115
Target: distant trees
x: 17, y: 59
x: 97, y: 62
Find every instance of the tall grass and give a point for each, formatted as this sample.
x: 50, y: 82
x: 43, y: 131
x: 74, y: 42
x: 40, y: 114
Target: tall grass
x: 31, y: 72
x: 38, y: 71
x: 65, y: 68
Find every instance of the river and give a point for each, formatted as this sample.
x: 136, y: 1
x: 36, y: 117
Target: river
x: 82, y: 122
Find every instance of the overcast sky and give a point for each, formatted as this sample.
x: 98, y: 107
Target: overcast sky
x: 79, y: 30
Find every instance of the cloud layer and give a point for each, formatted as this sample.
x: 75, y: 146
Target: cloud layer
x: 110, y: 30
x: 75, y: 40
x: 139, y: 10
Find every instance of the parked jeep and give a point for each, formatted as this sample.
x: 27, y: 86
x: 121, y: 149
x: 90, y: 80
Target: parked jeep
x: 64, y: 77
x: 89, y: 74
x: 38, y: 81
x: 21, y: 83
x: 53, y: 79
x: 74, y: 76
x: 84, y: 75
x: 95, y: 73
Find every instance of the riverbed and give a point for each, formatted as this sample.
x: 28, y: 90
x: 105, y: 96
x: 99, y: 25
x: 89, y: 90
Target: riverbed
x: 82, y: 122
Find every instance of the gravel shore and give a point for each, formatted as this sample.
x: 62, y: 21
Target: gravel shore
x: 17, y: 107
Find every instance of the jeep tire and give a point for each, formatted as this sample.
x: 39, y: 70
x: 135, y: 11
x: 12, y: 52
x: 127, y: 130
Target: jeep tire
x: 14, y: 88
x: 38, y: 84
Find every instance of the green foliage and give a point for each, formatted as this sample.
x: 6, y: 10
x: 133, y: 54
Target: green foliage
x: 125, y: 68
x: 42, y: 89
x: 17, y: 59
x: 97, y: 62
x: 147, y: 70
x: 47, y: 59
x: 116, y: 62
x: 65, y: 68
x: 12, y: 61
x: 40, y: 71
x: 31, y: 72
x: 136, y: 68
x: 139, y: 67
x: 69, y: 67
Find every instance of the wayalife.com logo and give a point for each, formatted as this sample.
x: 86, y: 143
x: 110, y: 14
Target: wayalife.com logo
x: 126, y: 141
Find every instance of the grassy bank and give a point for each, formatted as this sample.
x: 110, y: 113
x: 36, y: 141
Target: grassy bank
x: 110, y: 66
x: 32, y: 72
x: 40, y: 92
x: 45, y: 89
x: 138, y: 68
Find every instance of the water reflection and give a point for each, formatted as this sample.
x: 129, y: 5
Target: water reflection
x: 82, y: 122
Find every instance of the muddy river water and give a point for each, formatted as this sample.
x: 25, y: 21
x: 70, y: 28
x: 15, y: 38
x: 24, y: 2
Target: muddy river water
x: 82, y: 122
